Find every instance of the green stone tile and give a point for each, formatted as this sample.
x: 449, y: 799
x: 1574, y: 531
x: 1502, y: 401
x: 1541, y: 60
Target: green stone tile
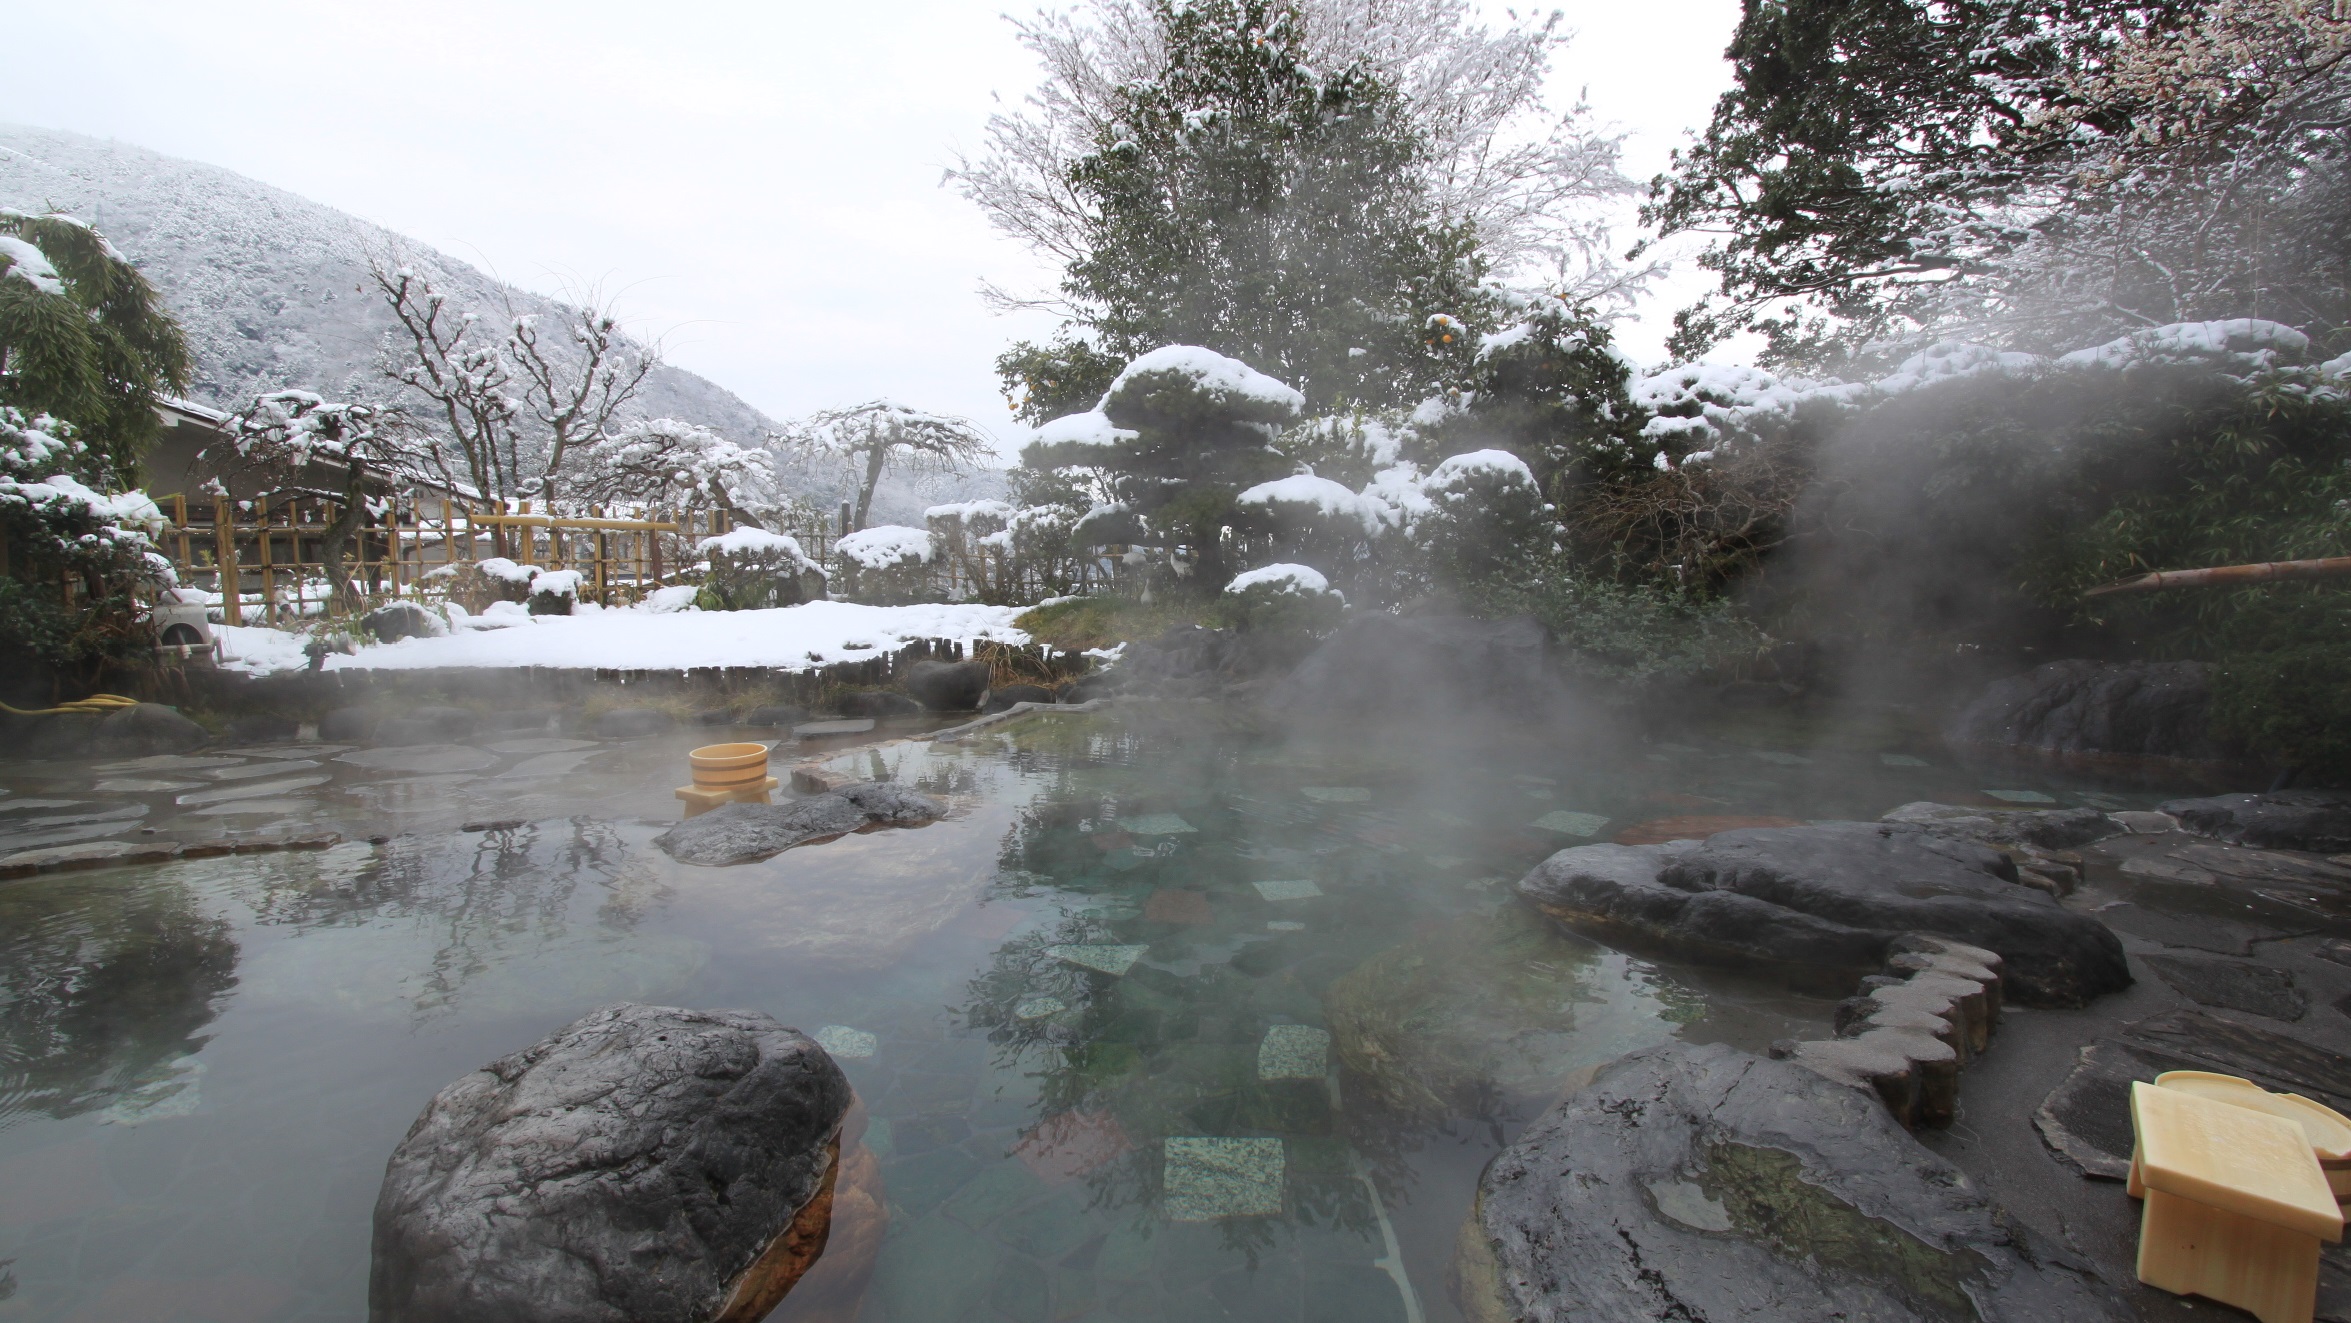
x: 1111, y: 960
x: 1210, y: 1178
x: 1336, y: 794
x: 1287, y: 889
x: 1156, y: 824
x: 2021, y: 796
x: 1294, y: 1052
x: 847, y: 1043
x: 1571, y: 824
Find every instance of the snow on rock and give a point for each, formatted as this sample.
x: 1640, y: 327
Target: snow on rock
x: 1213, y: 373
x: 1287, y: 577
x: 556, y: 583
x: 499, y: 567
x: 646, y: 637
x: 886, y: 547
x: 676, y: 597
x: 1329, y: 499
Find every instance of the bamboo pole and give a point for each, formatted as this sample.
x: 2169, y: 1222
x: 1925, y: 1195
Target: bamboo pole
x: 2332, y: 567
x: 224, y: 555
x: 269, y: 577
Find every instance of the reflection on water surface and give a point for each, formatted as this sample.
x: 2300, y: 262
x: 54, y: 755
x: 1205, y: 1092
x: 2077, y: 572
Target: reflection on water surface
x: 1164, y: 1021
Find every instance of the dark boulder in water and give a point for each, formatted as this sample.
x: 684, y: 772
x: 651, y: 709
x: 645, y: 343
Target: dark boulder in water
x: 2317, y: 820
x: 744, y: 833
x: 949, y: 686
x: 2138, y: 709
x: 1385, y: 666
x: 129, y: 732
x: 1000, y: 699
x: 1690, y: 1182
x: 644, y: 1164
x: 1821, y: 905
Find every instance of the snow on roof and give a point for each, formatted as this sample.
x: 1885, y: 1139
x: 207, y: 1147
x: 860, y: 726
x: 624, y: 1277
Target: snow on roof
x: 1329, y: 498
x: 1212, y: 371
x: 1091, y: 428
x: 887, y: 546
x: 30, y: 265
x: 793, y: 638
x: 1296, y: 578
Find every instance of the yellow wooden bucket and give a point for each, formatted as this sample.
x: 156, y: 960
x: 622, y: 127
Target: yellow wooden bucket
x: 725, y: 768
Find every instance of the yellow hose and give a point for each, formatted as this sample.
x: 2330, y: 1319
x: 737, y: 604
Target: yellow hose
x: 94, y: 703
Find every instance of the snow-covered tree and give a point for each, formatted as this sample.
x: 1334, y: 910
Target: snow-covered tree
x: 663, y: 463
x: 1234, y: 188
x: 1523, y: 176
x: 515, y: 399
x: 56, y: 527
x: 2025, y: 174
x: 1178, y: 436
x: 84, y: 338
x: 296, y: 439
x: 878, y: 436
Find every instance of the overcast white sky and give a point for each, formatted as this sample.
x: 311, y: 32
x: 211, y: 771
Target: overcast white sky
x: 759, y: 181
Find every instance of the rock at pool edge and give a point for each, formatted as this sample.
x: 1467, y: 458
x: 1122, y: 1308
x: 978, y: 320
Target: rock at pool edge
x: 645, y: 1164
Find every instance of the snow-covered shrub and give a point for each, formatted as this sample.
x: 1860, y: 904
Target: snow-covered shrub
x: 969, y: 537
x: 752, y: 569
x: 1485, y: 517
x: 888, y: 565
x: 1282, y: 598
x: 59, y: 530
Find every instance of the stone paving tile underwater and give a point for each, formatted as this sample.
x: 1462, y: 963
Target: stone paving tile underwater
x: 1571, y: 824
x: 1294, y: 1052
x: 1206, y: 1179
x: 1287, y: 889
x: 1111, y: 960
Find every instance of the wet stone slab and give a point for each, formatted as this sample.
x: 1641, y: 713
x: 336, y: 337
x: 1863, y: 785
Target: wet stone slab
x: 421, y: 759
x: 1287, y: 889
x: 251, y: 770
x: 1113, y: 960
x: 2234, y: 985
x: 249, y: 790
x: 1571, y: 824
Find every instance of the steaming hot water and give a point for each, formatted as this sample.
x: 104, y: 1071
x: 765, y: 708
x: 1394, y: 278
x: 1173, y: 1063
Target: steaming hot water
x: 1164, y: 1021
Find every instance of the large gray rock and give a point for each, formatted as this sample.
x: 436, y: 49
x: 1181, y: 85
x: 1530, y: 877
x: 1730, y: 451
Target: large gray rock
x: 2318, y: 820
x: 394, y: 621
x: 1690, y: 1183
x: 870, y: 703
x: 1821, y: 905
x: 644, y: 1164
x: 949, y: 686
x: 742, y: 833
x: 1379, y: 665
x: 2145, y: 709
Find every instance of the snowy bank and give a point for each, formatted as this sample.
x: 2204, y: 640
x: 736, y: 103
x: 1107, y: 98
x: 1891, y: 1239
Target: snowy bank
x: 793, y: 638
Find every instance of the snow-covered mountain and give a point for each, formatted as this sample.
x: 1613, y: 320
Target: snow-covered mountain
x: 270, y: 285
x: 272, y: 291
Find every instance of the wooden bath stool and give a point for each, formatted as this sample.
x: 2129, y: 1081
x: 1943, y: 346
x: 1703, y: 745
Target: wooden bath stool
x: 2236, y: 1204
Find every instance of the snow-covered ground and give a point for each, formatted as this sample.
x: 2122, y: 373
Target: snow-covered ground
x: 636, y: 639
